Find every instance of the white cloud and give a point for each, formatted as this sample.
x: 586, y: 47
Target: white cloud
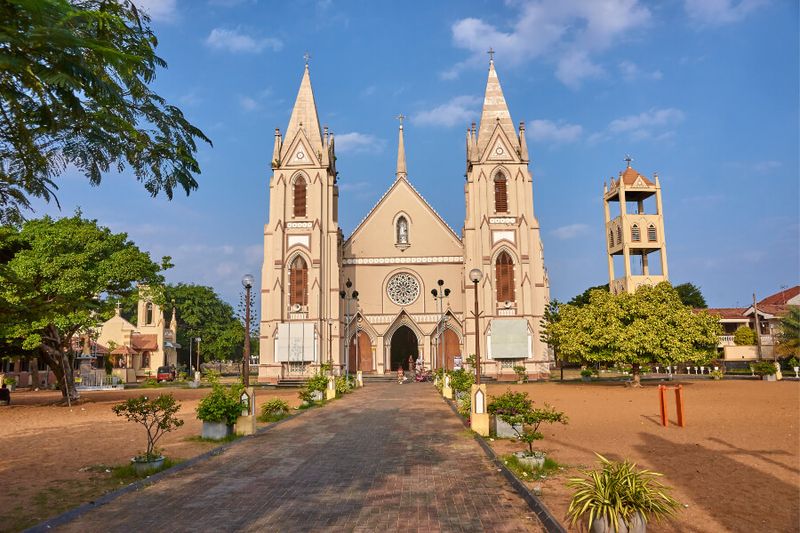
x: 570, y: 231
x: 553, y: 132
x: 631, y: 72
x: 237, y: 41
x: 248, y: 104
x: 459, y: 110
x: 566, y: 33
x: 159, y: 10
x: 720, y: 12
x: 355, y: 142
x: 654, y: 124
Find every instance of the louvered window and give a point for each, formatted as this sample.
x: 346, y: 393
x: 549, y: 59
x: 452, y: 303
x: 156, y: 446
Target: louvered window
x: 611, y: 238
x: 500, y: 194
x: 298, y: 282
x: 636, y: 235
x: 504, y: 278
x: 300, y: 197
x: 651, y: 233
x: 619, y: 233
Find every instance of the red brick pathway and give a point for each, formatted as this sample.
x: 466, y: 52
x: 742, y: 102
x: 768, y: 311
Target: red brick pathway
x: 387, y: 457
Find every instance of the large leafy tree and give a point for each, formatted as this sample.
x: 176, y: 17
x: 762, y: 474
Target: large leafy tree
x: 650, y: 326
x: 583, y: 298
x: 58, y: 280
x: 74, y: 91
x: 202, y: 313
x: 690, y: 295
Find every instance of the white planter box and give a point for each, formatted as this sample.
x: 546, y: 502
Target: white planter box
x: 216, y: 430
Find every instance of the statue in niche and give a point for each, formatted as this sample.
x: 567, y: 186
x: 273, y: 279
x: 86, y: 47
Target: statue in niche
x: 402, y: 231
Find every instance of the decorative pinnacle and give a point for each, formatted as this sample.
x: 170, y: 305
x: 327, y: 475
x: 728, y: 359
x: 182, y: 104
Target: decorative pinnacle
x: 491, y: 54
x: 401, y: 117
x: 628, y: 160
x: 307, y: 57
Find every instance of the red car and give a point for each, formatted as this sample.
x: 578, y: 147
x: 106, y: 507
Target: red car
x: 165, y: 373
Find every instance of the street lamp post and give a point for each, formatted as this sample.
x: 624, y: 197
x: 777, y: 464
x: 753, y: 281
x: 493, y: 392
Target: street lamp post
x: 475, y: 276
x: 439, y: 295
x: 247, y: 283
x: 198, y: 339
x: 347, y: 296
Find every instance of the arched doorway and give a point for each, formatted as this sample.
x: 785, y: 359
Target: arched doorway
x: 363, y: 361
x: 404, y: 343
x: 450, y: 348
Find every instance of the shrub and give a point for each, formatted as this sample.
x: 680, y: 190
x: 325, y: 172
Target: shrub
x: 461, y: 380
x: 222, y: 404
x: 510, y: 403
x: 793, y: 362
x: 764, y: 368
x: 274, y: 410
x: 108, y: 365
x: 744, y: 336
x: 516, y: 410
x: 465, y: 406
x: 519, y: 370
x: 10, y: 381
x: 156, y: 415
x: 716, y: 374
x: 617, y: 492
x: 587, y: 373
x: 343, y: 385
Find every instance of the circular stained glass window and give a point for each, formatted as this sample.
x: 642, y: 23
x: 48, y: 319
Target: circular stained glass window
x: 403, y: 289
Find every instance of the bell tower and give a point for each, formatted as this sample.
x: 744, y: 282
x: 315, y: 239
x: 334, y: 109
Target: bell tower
x: 300, y: 275
x: 636, y: 236
x: 501, y: 238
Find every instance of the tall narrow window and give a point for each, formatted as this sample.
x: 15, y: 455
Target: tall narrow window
x: 148, y: 314
x: 402, y: 231
x: 636, y: 235
x: 611, y: 238
x: 504, y: 277
x: 619, y: 233
x: 500, y: 194
x: 300, y: 197
x: 651, y: 233
x: 298, y: 282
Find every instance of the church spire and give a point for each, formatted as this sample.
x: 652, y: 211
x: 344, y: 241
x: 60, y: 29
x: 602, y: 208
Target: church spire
x: 495, y: 111
x: 401, y: 151
x: 304, y: 117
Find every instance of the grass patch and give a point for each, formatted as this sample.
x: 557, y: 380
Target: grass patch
x: 126, y: 473
x: 272, y: 417
x: 230, y: 438
x: 523, y: 472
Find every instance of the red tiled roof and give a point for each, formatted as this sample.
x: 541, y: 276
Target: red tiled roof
x: 141, y: 342
x: 630, y: 175
x: 726, y: 312
x: 780, y: 298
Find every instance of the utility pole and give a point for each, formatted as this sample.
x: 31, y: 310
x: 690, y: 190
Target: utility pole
x: 758, y: 327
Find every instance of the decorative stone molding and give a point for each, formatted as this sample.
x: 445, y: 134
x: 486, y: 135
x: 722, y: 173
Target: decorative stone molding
x: 498, y: 236
x: 403, y: 289
x: 502, y: 220
x: 420, y: 318
x: 402, y: 260
x: 296, y: 225
x: 506, y: 312
x: 302, y: 240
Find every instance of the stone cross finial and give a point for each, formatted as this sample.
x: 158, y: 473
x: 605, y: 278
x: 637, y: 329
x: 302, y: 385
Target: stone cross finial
x: 491, y: 54
x: 307, y: 57
x: 400, y: 117
x: 628, y: 160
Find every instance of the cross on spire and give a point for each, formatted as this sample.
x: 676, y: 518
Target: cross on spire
x: 400, y: 117
x: 491, y: 54
x: 307, y: 57
x: 628, y: 160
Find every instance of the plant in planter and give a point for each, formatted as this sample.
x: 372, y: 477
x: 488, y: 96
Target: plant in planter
x: 314, y: 389
x: 522, y: 376
x: 11, y: 382
x: 619, y: 497
x: 586, y: 374
x: 219, y: 410
x: 157, y: 415
x: 765, y: 369
x: 461, y: 382
x: 274, y: 410
x: 716, y: 374
x: 343, y: 385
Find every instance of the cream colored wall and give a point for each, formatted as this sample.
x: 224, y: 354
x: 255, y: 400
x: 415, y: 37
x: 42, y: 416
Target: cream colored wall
x: 115, y: 330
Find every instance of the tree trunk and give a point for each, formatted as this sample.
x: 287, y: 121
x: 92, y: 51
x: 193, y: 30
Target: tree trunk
x: 33, y: 366
x: 637, y: 381
x: 55, y: 355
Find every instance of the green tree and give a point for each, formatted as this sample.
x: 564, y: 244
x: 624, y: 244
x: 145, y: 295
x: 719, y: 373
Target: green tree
x: 58, y: 281
x: 74, y: 91
x: 583, y: 298
x: 202, y: 313
x: 744, y: 336
x: 690, y: 295
x: 649, y: 326
x: 789, y: 335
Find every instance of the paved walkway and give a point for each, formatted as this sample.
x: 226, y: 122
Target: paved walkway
x: 385, y: 458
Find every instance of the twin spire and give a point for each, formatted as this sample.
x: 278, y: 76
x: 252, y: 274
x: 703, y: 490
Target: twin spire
x: 401, y: 151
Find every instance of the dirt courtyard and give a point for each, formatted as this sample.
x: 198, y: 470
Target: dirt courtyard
x: 735, y: 467
x: 55, y: 458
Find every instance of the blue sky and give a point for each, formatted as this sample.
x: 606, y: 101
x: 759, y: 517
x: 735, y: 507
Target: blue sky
x: 704, y: 92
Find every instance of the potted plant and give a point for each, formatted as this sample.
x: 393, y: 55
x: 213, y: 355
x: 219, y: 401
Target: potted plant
x: 716, y: 374
x: 586, y: 374
x: 11, y: 382
x: 274, y: 410
x: 522, y: 376
x: 765, y: 369
x: 157, y: 415
x: 219, y: 411
x: 619, y: 497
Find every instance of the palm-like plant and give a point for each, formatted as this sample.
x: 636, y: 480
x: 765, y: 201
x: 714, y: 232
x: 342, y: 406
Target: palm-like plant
x: 617, y: 492
x: 789, y: 337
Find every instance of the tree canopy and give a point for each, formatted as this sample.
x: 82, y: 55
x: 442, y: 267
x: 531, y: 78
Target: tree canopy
x: 583, y: 298
x: 56, y: 277
x: 690, y: 295
x: 789, y: 335
x: 74, y: 91
x: 649, y: 326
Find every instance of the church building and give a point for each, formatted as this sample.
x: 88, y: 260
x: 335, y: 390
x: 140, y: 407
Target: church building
x: 399, y: 287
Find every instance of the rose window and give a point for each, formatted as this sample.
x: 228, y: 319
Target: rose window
x: 403, y: 289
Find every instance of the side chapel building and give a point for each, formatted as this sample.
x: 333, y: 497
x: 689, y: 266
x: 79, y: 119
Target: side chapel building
x: 399, y: 252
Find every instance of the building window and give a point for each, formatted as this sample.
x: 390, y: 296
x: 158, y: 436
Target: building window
x: 619, y: 234
x: 504, y: 277
x: 636, y: 235
x: 403, y: 289
x: 300, y: 197
x: 611, y: 238
x: 651, y: 233
x: 298, y: 282
x: 500, y: 194
x: 146, y: 360
x: 148, y: 314
x: 402, y: 231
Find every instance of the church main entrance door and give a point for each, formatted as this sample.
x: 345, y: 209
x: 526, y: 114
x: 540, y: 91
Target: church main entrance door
x: 404, y: 343
x: 361, y: 358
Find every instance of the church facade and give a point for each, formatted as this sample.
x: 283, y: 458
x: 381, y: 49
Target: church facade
x: 399, y: 287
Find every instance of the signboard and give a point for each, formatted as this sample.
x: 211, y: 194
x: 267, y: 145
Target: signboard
x: 509, y: 339
x: 297, y: 342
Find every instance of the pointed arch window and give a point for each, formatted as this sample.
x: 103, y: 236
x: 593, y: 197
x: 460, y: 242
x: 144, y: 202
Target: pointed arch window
x: 651, y: 233
x: 636, y: 234
x: 504, y: 277
x: 300, y: 197
x: 148, y: 314
x: 298, y: 282
x: 500, y: 193
x: 401, y: 231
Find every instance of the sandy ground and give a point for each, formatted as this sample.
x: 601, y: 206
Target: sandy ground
x: 736, y: 466
x: 54, y: 458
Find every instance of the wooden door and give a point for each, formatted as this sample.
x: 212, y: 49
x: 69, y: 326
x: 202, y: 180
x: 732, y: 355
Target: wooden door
x: 451, y: 347
x: 365, y: 363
